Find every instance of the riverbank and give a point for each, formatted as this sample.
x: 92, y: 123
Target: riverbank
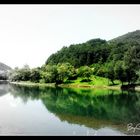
x: 4, y: 81
x: 80, y: 86
x: 115, y: 87
x: 95, y: 82
x: 27, y: 83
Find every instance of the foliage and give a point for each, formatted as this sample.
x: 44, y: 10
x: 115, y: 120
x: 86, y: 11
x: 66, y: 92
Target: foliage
x: 81, y: 54
x: 117, y: 59
x: 120, y: 72
x: 35, y: 75
x: 110, y: 73
x: 22, y: 74
x: 85, y: 72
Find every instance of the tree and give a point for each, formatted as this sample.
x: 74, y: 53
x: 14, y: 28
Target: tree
x: 65, y: 70
x: 120, y: 72
x: 131, y: 75
x: 71, y: 71
x: 35, y: 75
x: 25, y: 73
x: 132, y: 57
x: 15, y: 75
x: 49, y: 73
x: 85, y: 72
x: 22, y: 74
x: 110, y: 73
x: 132, y: 63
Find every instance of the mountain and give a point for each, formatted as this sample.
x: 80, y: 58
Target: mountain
x: 96, y: 50
x: 3, y: 70
x: 81, y: 54
x: 4, y: 67
x: 130, y: 37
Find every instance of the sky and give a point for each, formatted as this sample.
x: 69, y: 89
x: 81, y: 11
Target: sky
x: 29, y: 34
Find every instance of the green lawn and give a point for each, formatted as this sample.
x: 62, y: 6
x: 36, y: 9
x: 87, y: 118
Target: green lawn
x: 95, y: 81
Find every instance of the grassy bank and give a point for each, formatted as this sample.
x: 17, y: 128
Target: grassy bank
x: 96, y: 82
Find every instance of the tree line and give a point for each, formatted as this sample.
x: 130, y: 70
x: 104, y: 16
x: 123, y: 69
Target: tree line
x: 95, y: 57
x: 51, y: 73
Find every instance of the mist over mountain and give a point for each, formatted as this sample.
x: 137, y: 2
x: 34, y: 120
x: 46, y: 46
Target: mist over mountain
x: 4, y: 70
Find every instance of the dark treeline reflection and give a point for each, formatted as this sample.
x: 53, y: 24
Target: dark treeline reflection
x: 78, y: 104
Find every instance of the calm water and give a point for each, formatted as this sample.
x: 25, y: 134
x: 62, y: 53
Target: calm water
x: 57, y: 111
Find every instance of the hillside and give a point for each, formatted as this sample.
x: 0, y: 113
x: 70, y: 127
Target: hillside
x: 3, y: 71
x: 96, y: 50
x: 90, y: 63
x: 130, y: 37
x: 4, y: 67
x: 78, y: 55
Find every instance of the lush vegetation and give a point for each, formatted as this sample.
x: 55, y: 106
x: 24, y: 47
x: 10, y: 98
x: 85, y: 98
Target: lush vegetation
x: 118, y: 59
x: 51, y: 73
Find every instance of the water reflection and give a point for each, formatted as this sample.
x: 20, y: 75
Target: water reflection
x: 91, y: 108
x: 4, y: 89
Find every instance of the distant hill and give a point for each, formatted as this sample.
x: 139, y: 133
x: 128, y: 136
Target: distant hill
x: 130, y: 37
x: 4, y: 67
x: 96, y: 50
x: 3, y: 70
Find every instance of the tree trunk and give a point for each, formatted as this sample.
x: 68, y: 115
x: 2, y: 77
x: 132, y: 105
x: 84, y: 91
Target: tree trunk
x: 112, y: 82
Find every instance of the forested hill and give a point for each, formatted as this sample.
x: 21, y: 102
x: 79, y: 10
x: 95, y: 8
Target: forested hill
x: 131, y: 37
x: 81, y: 54
x: 97, y: 50
x: 117, y: 59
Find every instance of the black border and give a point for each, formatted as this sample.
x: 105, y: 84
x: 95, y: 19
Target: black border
x: 69, y: 2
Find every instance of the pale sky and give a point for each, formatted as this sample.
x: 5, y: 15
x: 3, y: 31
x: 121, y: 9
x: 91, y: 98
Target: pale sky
x: 29, y: 34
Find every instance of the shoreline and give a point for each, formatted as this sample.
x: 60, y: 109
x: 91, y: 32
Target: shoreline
x: 66, y: 85
x: 53, y: 85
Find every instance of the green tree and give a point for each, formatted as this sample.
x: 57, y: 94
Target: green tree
x: 22, y: 74
x: 49, y: 73
x: 25, y: 73
x: 65, y: 70
x: 110, y: 73
x: 120, y: 72
x: 132, y: 63
x: 35, y: 75
x: 85, y: 72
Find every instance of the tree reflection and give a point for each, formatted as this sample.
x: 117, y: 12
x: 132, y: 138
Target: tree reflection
x: 92, y: 108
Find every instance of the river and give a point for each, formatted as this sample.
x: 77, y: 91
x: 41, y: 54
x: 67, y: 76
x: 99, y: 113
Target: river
x: 65, y: 111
